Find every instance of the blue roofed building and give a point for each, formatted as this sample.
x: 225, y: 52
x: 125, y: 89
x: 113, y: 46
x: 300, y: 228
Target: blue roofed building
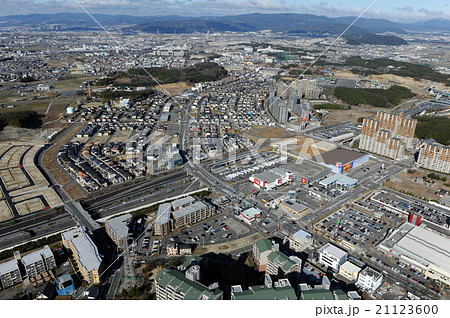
x: 64, y: 285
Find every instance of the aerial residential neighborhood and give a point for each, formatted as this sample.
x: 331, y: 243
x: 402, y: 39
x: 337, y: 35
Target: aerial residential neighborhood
x: 258, y: 150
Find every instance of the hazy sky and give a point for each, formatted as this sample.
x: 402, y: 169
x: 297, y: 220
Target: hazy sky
x: 397, y: 10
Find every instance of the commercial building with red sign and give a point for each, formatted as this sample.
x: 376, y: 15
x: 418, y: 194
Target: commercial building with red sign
x: 271, y: 179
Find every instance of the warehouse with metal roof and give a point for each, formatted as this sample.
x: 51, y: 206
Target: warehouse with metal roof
x: 341, y: 160
x: 422, y: 249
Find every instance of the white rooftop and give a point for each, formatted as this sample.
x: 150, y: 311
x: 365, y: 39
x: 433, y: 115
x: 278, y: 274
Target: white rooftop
x: 251, y: 213
x: 425, y: 247
x: 302, y: 235
x: 350, y: 267
x: 119, y: 226
x: 368, y: 271
x: 189, y: 209
x: 333, y: 250
x: 8, y: 267
x: 183, y: 201
x: 70, y: 234
x: 36, y: 256
x: 87, y: 252
x: 163, y: 215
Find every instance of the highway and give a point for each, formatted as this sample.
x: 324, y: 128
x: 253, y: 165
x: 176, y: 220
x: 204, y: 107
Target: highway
x: 146, y: 199
x: 34, y: 227
x: 134, y: 190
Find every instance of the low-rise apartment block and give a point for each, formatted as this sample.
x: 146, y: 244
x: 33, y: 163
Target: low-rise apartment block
x: 163, y: 221
x: 117, y: 229
x: 181, y: 213
x: 279, y: 290
x: 9, y: 274
x: 39, y: 262
x: 85, y: 254
x: 299, y: 241
x: 349, y: 271
x: 369, y: 279
x: 269, y: 259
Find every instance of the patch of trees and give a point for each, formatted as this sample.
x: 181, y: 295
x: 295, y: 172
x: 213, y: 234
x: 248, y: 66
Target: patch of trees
x: 329, y: 106
x: 435, y: 176
x: 437, y: 128
x: 21, y: 119
x: 376, y: 39
x: 374, y: 97
x: 133, y: 95
x: 406, y: 69
x: 201, y: 72
x: 27, y: 79
x: 105, y: 81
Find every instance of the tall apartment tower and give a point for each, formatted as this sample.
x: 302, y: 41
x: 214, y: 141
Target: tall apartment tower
x: 434, y: 156
x: 272, y: 91
x: 387, y: 134
x: 278, y: 109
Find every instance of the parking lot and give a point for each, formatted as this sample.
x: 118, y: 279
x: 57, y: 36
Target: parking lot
x: 247, y: 165
x: 357, y: 228
x: 219, y: 229
x: 337, y: 132
x: 369, y: 168
x: 397, y: 204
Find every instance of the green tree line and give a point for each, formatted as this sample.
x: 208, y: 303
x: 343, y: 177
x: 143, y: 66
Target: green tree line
x: 437, y: 128
x: 406, y: 69
x: 374, y: 97
x: 21, y: 119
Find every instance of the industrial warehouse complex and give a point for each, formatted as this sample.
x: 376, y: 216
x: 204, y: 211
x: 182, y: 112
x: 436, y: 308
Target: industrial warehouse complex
x: 422, y: 249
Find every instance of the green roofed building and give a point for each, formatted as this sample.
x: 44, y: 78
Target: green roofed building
x: 316, y: 294
x: 340, y: 295
x: 281, y: 290
x: 261, y: 249
x: 269, y: 259
x: 174, y: 285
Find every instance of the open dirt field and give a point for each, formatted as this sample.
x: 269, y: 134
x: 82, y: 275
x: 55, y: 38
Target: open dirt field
x: 414, y: 86
x: 38, y: 106
x: 351, y: 115
x: 304, y: 147
x: 406, y: 182
x: 49, y: 164
x: 174, y: 88
x: 269, y: 132
x: 29, y: 206
x: 120, y: 135
x: 5, y: 213
x: 74, y: 191
x: 229, y: 246
x: 14, y: 179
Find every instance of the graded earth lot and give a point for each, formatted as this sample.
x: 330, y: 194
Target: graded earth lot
x: 413, y: 183
x: 5, y: 213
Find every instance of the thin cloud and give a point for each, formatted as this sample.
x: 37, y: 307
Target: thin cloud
x: 214, y: 8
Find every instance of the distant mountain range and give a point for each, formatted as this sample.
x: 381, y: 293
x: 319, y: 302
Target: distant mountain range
x: 290, y: 23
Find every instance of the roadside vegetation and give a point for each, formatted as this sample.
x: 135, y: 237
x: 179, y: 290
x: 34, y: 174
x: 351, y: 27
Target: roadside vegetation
x: 31, y: 246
